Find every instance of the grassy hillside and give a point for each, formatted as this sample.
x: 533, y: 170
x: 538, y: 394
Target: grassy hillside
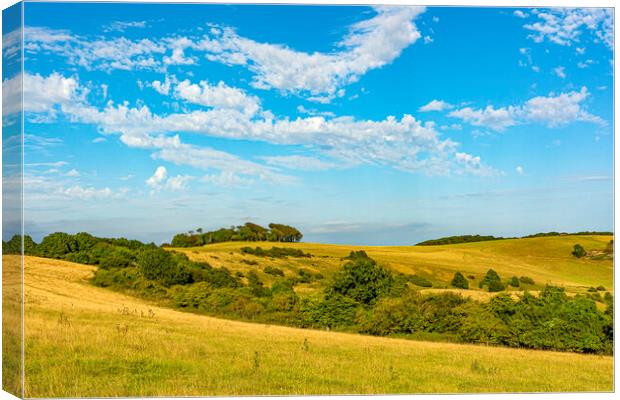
x: 545, y: 259
x: 87, y: 341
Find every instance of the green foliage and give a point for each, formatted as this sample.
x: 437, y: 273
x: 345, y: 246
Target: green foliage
x: 526, y: 280
x: 578, y: 251
x: 305, y: 276
x: 459, y: 281
x: 362, y: 280
x: 514, y: 282
x: 458, y: 239
x: 601, y: 288
x: 273, y: 271
x: 248, y: 232
x: 161, y: 265
x: 492, y: 282
x: 420, y: 281
x: 275, y: 252
x: 331, y: 311
x: 609, y: 248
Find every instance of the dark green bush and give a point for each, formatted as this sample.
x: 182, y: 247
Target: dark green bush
x: 514, y: 282
x: 420, y: 281
x: 492, y: 282
x: 578, y: 251
x: 459, y: 281
x: 273, y: 271
x: 362, y: 280
x: 527, y: 280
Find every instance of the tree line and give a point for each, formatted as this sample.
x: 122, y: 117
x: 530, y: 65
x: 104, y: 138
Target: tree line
x: 249, y: 232
x: 483, y: 238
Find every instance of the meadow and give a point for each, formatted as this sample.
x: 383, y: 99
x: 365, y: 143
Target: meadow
x: 87, y: 341
x: 547, y: 260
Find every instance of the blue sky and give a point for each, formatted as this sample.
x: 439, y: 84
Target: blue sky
x: 386, y: 125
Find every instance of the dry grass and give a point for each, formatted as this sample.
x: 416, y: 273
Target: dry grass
x: 87, y: 341
x: 545, y: 259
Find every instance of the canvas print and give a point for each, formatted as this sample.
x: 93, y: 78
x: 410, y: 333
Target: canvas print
x: 243, y: 199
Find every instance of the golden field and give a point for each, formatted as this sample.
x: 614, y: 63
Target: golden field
x: 92, y: 342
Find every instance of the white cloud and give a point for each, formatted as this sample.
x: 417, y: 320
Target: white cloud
x: 497, y: 119
x: 565, y: 26
x: 163, y: 87
x: 436, y: 105
x: 585, y: 64
x: 116, y: 53
x: 40, y: 94
x: 73, y: 173
x: 99, y: 140
x: 217, y: 96
x: 559, y: 110
x: 473, y: 165
x: 552, y: 110
x: 428, y: 39
x: 406, y: 144
x: 580, y: 50
x: 559, y: 71
x: 122, y: 26
x: 303, y: 163
x: 370, y: 44
x: 520, y: 170
x: 520, y: 14
x: 159, y: 177
x: 87, y: 193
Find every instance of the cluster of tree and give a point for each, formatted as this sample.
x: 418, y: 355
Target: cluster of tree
x: 459, y: 239
x: 583, y: 233
x: 249, y: 232
x: 274, y: 252
x: 481, y: 238
x: 491, y: 281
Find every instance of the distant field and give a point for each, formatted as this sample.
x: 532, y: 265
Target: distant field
x: 545, y: 259
x: 92, y: 342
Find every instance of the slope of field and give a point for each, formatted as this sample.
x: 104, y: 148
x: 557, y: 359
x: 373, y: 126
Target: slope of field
x: 545, y: 259
x: 92, y: 342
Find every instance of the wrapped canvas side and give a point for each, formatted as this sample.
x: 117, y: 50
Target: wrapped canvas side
x: 12, y: 201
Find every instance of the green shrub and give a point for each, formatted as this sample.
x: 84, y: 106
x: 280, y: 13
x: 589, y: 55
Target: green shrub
x: 161, y: 265
x: 275, y: 252
x: 527, y: 280
x: 601, y: 288
x: 420, y: 281
x: 492, y: 281
x: 459, y: 281
x: 514, y: 282
x: 362, y: 280
x: 273, y: 271
x: 578, y: 251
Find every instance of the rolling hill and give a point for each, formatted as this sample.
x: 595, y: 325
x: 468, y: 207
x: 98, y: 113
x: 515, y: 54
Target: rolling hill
x: 83, y: 340
x: 544, y: 259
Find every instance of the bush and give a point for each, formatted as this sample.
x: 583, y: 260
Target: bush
x: 578, y: 251
x: 601, y: 288
x: 527, y: 280
x: 459, y: 281
x: 492, y: 281
x: 514, y: 282
x: 420, y: 281
x: 331, y: 311
x: 275, y: 252
x: 273, y: 271
x: 362, y: 280
x: 161, y: 265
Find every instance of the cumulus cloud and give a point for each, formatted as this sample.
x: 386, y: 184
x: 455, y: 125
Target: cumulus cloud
x: 520, y: 170
x: 217, y: 96
x: 520, y: 14
x: 436, y: 105
x: 369, y: 44
x: 552, y: 111
x: 559, y: 71
x: 40, y: 94
x: 122, y: 26
x: 403, y: 143
x: 160, y: 180
x: 497, y: 119
x: 473, y: 165
x: 566, y: 26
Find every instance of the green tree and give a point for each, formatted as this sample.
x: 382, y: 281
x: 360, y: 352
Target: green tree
x: 459, y: 281
x: 362, y: 280
x: 578, y: 251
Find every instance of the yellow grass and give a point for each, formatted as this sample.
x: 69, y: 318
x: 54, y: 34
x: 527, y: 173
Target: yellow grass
x: 546, y: 260
x: 87, y: 341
